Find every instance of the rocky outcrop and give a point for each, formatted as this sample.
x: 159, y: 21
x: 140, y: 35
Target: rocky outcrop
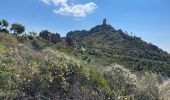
x: 45, y: 35
x: 69, y: 42
x: 54, y: 38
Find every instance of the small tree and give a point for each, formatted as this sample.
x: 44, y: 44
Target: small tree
x: 17, y: 28
x: 4, y: 24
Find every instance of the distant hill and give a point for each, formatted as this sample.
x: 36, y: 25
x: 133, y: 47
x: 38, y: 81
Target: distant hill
x: 105, y: 45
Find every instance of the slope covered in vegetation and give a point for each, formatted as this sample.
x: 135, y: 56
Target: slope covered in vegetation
x: 104, y: 45
x: 99, y: 64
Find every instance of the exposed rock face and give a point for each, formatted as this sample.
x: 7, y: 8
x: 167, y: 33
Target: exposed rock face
x: 54, y: 38
x: 77, y: 34
x: 45, y: 35
x: 69, y: 42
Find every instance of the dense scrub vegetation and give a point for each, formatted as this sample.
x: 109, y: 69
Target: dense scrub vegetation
x: 92, y: 66
x: 104, y: 45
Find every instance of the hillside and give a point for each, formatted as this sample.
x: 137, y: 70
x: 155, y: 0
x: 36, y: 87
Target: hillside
x: 104, y: 45
x: 97, y: 64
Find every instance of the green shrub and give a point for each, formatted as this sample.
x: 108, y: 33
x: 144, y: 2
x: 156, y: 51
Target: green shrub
x: 97, y: 77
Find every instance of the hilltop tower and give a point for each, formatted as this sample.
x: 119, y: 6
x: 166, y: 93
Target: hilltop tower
x: 104, y: 21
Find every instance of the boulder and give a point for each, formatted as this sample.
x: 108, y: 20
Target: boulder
x: 54, y: 38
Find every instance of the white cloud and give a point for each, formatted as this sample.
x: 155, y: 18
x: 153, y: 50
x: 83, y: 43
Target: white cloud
x: 76, y: 10
x: 79, y: 10
x: 55, y: 2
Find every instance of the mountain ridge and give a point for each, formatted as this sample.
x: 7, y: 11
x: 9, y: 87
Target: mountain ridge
x: 110, y: 43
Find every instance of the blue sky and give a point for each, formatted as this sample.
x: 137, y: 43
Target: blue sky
x: 148, y: 19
